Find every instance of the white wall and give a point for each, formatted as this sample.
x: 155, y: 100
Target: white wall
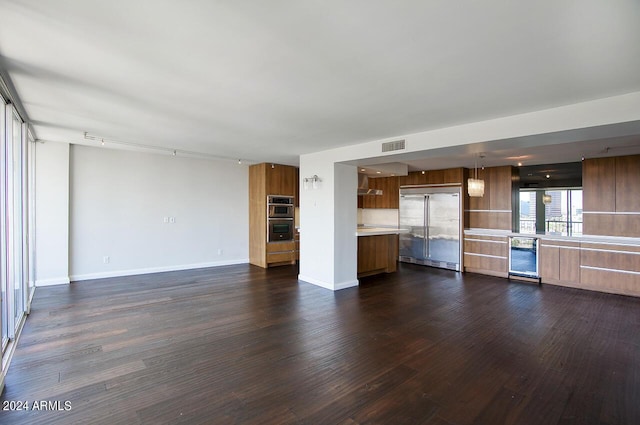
x: 328, y: 221
x: 119, y: 200
x: 51, y: 213
x: 345, y: 224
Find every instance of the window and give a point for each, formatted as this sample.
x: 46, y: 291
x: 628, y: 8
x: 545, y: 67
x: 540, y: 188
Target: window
x: 561, y: 215
x: 14, y: 264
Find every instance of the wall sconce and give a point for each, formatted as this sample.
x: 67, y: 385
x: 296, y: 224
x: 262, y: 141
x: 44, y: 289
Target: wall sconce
x: 475, y: 186
x: 311, y: 181
x: 546, y: 199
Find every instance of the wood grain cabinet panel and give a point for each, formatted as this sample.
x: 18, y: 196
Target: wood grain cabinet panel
x: 610, y: 202
x: 494, y: 210
x: 627, y: 179
x: 610, y: 268
x: 389, y: 198
x: 559, y: 262
x: 268, y: 179
x: 599, y: 185
x: 280, y: 179
x: 453, y: 175
x: 500, y: 181
x: 377, y: 254
x: 486, y: 254
x: 570, y: 264
x: 549, y: 262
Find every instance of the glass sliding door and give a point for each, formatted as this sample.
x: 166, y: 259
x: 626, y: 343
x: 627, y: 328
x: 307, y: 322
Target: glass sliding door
x: 14, y: 219
x: 4, y: 316
x: 16, y: 239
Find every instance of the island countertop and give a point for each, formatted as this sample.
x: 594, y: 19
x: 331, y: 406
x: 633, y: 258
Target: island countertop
x: 374, y: 231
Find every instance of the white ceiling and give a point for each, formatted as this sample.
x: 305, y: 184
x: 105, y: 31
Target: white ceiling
x: 270, y: 80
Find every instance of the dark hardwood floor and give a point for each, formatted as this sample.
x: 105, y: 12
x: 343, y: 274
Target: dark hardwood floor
x: 244, y: 345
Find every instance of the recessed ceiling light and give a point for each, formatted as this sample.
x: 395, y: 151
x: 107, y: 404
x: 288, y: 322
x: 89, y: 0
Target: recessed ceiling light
x: 548, y: 176
x: 362, y: 169
x: 519, y: 164
x: 423, y: 172
x: 378, y: 172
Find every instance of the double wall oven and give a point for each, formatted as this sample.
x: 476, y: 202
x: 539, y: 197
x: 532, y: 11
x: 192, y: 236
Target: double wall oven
x: 280, y: 214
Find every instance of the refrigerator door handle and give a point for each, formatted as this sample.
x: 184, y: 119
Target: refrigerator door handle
x: 426, y: 227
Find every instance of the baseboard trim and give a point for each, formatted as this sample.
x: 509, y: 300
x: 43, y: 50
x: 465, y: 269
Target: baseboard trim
x: 149, y: 270
x: 51, y: 282
x: 327, y: 285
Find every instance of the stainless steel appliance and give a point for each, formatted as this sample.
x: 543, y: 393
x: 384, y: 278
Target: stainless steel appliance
x: 280, y: 215
x: 279, y: 199
x: 279, y: 206
x: 523, y: 257
x: 279, y: 229
x: 280, y: 211
x: 430, y: 217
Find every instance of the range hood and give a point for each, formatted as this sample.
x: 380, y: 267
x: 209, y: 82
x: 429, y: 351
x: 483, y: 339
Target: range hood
x: 363, y: 186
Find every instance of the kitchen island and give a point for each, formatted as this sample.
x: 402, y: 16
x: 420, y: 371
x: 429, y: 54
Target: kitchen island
x: 377, y: 250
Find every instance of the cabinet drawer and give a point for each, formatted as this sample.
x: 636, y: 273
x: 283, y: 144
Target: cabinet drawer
x: 281, y: 246
x: 279, y: 257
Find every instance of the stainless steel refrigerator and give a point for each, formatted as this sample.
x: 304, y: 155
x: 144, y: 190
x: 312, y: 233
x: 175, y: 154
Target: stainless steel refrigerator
x: 430, y: 218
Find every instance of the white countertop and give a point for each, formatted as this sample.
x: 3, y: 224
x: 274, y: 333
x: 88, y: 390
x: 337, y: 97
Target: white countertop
x: 556, y: 236
x: 374, y: 231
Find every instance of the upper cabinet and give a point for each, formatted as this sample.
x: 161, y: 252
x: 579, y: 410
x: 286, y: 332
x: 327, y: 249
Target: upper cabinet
x: 611, y: 206
x: 390, y: 186
x: 450, y: 175
x: 390, y: 193
x: 599, y: 184
x: 498, y: 208
x: 280, y: 179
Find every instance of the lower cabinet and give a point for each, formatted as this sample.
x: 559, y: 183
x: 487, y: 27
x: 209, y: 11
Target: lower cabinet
x: 560, y: 262
x: 281, y: 253
x: 377, y: 254
x: 486, y: 254
x: 607, y: 266
x: 610, y: 267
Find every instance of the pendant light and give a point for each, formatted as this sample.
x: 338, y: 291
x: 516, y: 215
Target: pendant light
x: 475, y: 186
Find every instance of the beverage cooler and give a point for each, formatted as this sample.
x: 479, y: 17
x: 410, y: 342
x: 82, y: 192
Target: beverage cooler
x: 523, y: 257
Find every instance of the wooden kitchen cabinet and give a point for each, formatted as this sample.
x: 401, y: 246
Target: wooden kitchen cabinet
x: 280, y: 179
x: 599, y: 184
x: 495, y: 210
x: 627, y: 178
x: 486, y: 254
x: 549, y: 261
x: 560, y: 262
x: 610, y: 267
x: 377, y: 254
x: 390, y: 193
x: 269, y: 179
x: 435, y: 177
x: 281, y: 252
x: 390, y: 186
x: 610, y: 201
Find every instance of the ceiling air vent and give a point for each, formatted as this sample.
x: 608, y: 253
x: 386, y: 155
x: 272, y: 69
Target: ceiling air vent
x: 396, y: 145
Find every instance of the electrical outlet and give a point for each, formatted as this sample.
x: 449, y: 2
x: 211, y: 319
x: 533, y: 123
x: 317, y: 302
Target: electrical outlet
x: 105, y: 259
x: 166, y: 219
x: 220, y: 252
x: 172, y: 219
